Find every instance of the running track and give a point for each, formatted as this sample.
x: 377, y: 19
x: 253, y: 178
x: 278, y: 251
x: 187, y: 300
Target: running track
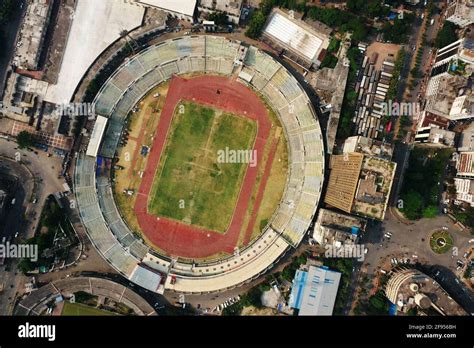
x: 174, y: 237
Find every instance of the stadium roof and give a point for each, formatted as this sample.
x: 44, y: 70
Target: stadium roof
x: 186, y: 7
x: 146, y: 278
x: 318, y: 295
x: 289, y: 33
x: 96, y: 136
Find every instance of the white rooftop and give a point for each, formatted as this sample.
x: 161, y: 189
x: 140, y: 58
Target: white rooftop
x: 96, y: 136
x: 293, y: 35
x: 320, y: 291
x: 95, y: 26
x: 146, y: 278
x: 186, y: 7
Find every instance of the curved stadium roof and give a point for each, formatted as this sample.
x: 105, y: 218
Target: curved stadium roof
x: 131, y: 82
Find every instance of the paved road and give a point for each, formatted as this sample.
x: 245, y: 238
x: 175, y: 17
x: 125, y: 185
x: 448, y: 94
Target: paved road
x: 38, y: 177
x: 413, y: 239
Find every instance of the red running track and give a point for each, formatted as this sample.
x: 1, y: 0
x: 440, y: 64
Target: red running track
x: 174, y: 237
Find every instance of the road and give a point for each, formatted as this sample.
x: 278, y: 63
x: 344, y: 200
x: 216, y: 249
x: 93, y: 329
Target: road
x: 413, y: 239
x: 37, y: 177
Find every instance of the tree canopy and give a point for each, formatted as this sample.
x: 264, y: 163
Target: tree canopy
x: 24, y: 139
x: 446, y: 35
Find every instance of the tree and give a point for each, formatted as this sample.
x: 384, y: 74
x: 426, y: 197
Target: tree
x: 412, y: 205
x: 446, y: 35
x: 430, y: 211
x: 219, y: 18
x: 130, y: 41
x: 256, y: 24
x: 356, y: 6
x: 6, y: 10
x: 24, y: 139
x: 26, y: 266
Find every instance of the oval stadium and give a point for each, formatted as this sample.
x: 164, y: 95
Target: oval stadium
x: 204, y: 167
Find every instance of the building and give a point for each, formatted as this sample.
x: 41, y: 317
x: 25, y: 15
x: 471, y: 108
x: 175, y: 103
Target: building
x: 451, y: 97
x: 96, y: 136
x: 333, y: 228
x: 368, y: 146
x: 314, y: 291
x: 295, y: 39
x: 450, y: 73
x: 32, y: 34
x: 466, y: 140
x: 360, y: 184
x: 343, y: 180
x: 461, y: 12
x: 435, y: 137
x: 232, y: 8
x: 465, y: 165
x: 410, y: 289
x: 465, y: 190
x: 180, y: 9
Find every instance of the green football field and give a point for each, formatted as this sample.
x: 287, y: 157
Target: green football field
x: 78, y: 309
x: 190, y: 184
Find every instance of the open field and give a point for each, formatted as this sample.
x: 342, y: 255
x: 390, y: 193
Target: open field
x: 78, y: 309
x: 141, y: 127
x: 258, y: 194
x: 191, y: 185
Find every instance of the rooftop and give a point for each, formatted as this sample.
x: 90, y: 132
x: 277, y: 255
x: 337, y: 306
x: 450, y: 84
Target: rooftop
x: 368, y: 146
x: 374, y: 187
x: 465, y: 164
x: 343, y: 180
x: 96, y: 136
x: 230, y: 6
x: 87, y: 39
x: 314, y: 291
x: 33, y: 29
x: 295, y: 35
x: 466, y: 142
x: 410, y: 288
x: 186, y: 7
x: 336, y: 229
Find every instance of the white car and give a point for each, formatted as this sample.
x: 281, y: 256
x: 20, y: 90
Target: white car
x: 445, y: 228
x: 471, y: 241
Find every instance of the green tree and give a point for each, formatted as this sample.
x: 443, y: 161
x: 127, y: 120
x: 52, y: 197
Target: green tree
x: 446, y: 35
x: 412, y: 205
x: 219, y: 18
x: 256, y: 24
x: 6, y: 10
x: 24, y: 139
x: 430, y: 211
x: 26, y: 266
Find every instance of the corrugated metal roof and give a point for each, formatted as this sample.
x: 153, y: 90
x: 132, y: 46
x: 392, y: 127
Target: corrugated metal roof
x: 293, y: 35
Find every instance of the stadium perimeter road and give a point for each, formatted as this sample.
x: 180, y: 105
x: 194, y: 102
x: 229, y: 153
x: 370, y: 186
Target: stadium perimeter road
x: 46, y: 172
x: 22, y: 188
x: 413, y: 239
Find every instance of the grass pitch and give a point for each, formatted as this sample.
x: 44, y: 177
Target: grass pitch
x: 78, y: 309
x: 190, y: 185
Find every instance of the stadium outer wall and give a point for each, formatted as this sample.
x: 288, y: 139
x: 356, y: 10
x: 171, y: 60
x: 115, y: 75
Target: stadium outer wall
x: 215, y: 55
